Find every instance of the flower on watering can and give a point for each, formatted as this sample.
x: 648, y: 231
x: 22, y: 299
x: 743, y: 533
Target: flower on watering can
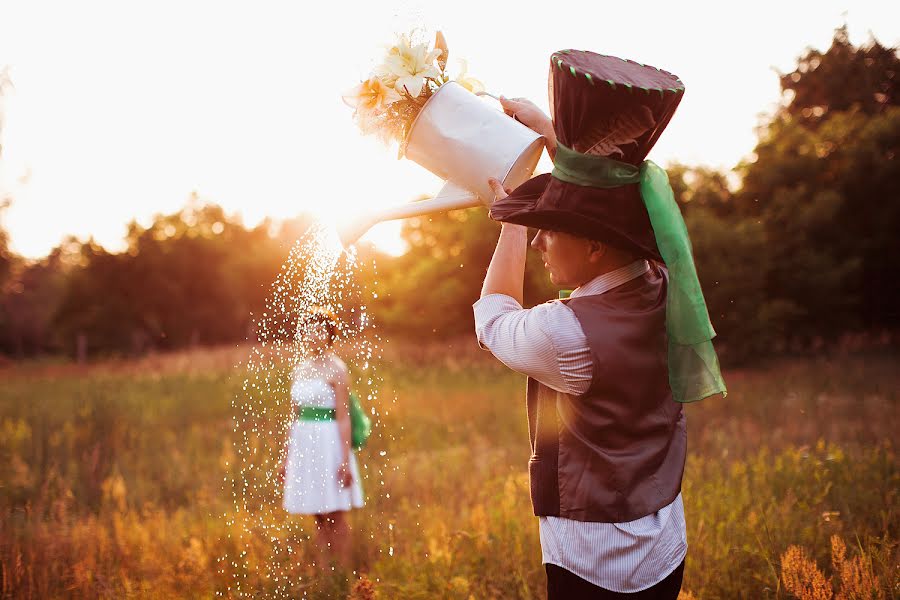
x: 470, y: 83
x: 371, y: 95
x: 389, y: 101
x: 409, y: 66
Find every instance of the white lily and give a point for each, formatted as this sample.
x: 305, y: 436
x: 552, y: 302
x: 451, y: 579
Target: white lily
x: 470, y: 83
x: 383, y: 71
x: 409, y: 66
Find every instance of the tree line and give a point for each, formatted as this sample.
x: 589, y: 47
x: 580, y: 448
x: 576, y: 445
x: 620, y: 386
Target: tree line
x: 803, y: 251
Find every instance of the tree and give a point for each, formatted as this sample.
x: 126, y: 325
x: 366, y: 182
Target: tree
x: 733, y: 260
x: 432, y: 287
x: 843, y: 78
x: 701, y: 187
x: 803, y: 248
x: 824, y: 182
x: 192, y: 277
x: 29, y: 302
x: 6, y: 257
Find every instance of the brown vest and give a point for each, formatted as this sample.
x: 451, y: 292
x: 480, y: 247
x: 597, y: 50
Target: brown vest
x: 616, y: 453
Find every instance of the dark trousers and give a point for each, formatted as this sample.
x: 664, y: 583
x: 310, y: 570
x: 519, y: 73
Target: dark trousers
x: 565, y: 585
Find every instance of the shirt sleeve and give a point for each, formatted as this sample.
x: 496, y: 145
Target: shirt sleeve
x: 545, y: 342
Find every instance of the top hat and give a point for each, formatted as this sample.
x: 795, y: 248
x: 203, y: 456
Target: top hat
x: 602, y: 107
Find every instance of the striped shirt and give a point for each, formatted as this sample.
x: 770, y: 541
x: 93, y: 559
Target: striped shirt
x: 547, y: 343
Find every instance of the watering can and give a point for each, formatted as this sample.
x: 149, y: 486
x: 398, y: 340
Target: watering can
x: 465, y: 142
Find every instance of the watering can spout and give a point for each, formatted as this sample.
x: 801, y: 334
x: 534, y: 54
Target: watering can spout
x: 350, y: 232
x: 451, y: 197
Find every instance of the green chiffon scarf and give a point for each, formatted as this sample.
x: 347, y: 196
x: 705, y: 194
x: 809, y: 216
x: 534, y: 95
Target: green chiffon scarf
x: 694, y: 371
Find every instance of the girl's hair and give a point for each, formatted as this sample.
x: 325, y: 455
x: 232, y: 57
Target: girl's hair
x: 320, y: 315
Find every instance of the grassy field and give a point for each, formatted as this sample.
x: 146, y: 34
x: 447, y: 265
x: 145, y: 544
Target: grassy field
x: 118, y: 480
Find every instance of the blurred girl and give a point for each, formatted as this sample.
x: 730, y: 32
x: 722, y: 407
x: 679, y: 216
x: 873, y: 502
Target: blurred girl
x: 320, y: 472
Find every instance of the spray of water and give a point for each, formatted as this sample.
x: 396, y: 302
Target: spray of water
x: 269, y: 552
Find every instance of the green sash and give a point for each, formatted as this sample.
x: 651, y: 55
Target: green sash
x: 314, y: 413
x: 360, y: 425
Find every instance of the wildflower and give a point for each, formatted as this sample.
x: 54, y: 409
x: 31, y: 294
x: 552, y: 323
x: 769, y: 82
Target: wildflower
x: 858, y: 580
x: 802, y: 577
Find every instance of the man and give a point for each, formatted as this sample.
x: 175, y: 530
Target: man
x: 608, y: 367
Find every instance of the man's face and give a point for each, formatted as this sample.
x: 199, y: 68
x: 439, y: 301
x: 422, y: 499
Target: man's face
x: 566, y: 257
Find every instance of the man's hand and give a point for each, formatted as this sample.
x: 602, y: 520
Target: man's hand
x: 499, y: 191
x: 526, y: 112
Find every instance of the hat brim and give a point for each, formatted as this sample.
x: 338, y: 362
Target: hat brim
x: 615, y: 216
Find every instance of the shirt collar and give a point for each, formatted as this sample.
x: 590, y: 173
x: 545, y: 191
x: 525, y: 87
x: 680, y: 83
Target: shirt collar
x: 607, y: 281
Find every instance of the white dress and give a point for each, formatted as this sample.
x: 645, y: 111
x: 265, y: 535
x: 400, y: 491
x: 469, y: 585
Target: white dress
x: 311, y: 485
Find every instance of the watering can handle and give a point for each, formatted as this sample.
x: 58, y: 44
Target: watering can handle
x: 488, y: 94
x: 497, y: 98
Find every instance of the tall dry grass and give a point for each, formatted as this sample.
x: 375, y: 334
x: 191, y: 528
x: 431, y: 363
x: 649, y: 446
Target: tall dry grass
x: 113, y: 484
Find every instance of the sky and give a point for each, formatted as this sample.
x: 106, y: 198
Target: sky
x: 122, y: 110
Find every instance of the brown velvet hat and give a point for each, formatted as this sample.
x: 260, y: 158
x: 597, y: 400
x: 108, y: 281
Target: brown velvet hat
x: 600, y: 106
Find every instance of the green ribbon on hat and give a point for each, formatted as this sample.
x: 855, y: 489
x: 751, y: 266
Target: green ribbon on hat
x: 694, y: 371
x: 586, y: 170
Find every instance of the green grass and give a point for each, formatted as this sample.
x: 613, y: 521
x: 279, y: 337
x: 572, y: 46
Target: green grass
x: 116, y: 482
